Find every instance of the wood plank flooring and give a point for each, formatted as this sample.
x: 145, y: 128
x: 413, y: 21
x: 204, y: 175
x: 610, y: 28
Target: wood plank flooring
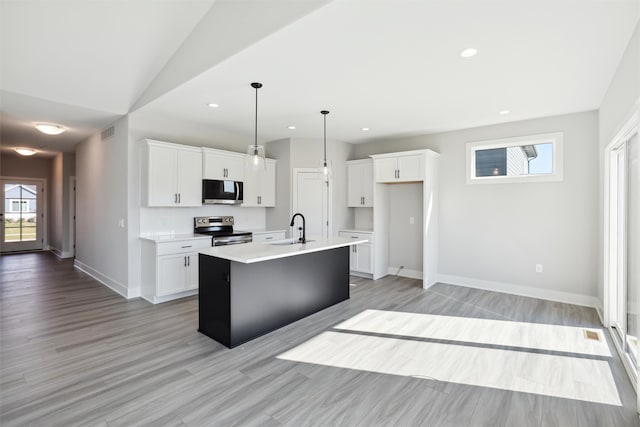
x: 72, y: 352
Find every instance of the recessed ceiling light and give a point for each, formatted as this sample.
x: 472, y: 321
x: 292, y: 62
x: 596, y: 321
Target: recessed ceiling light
x: 26, y: 151
x: 213, y: 105
x: 468, y: 53
x: 365, y: 129
x: 504, y: 112
x: 291, y: 127
x: 49, y: 128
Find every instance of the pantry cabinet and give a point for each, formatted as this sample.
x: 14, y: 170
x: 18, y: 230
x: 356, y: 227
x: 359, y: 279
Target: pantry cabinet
x: 360, y: 183
x: 399, y: 168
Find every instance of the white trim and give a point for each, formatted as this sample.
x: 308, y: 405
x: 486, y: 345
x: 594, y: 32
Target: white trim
x: 631, y: 372
x: 627, y: 130
x: 107, y: 281
x: 165, y: 298
x: 61, y: 254
x: 525, y: 291
x: 600, y: 311
x: 556, y: 139
x: 44, y: 219
x: 405, y: 272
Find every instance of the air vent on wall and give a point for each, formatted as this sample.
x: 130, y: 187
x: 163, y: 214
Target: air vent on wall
x: 108, y: 133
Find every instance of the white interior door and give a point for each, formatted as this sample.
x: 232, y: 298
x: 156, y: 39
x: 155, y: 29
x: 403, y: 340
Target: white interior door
x: 311, y: 199
x: 22, y: 215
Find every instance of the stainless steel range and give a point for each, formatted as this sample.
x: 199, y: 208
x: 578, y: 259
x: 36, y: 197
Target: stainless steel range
x: 221, y: 230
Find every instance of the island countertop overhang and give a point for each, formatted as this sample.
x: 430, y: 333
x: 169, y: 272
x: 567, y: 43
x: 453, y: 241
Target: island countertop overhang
x: 248, y: 253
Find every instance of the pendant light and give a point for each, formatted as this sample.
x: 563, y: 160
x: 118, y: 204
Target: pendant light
x: 255, y: 152
x: 326, y: 164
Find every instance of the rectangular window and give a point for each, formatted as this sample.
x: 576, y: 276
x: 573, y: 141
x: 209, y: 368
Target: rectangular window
x: 19, y: 206
x: 532, y: 158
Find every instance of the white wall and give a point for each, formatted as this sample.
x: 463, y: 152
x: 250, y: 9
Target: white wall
x: 405, y: 239
x: 616, y: 106
x: 101, y: 203
x: 308, y: 153
x: 62, y: 168
x: 277, y: 218
x: 495, y: 234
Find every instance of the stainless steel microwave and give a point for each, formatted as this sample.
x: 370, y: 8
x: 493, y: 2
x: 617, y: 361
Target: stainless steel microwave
x: 221, y: 192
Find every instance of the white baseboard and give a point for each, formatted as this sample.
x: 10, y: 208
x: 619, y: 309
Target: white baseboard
x: 526, y: 291
x: 405, y: 272
x: 107, y: 281
x: 160, y: 300
x: 61, y: 254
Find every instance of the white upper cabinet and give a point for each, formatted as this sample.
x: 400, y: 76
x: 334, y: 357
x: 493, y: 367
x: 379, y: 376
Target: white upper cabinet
x: 403, y: 168
x: 223, y: 165
x: 360, y: 183
x: 172, y: 174
x: 260, y: 186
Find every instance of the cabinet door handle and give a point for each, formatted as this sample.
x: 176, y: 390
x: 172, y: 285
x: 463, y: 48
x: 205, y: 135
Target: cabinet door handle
x: 188, y: 261
x: 178, y: 198
x: 175, y: 197
x: 185, y: 261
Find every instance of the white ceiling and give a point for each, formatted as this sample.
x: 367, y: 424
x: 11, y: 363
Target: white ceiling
x: 392, y: 66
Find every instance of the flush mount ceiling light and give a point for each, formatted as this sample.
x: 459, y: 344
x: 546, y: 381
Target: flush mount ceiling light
x: 213, y: 105
x: 255, y: 152
x: 365, y: 129
x: 326, y: 166
x: 25, y: 151
x: 49, y: 128
x: 468, y: 53
x: 504, y: 112
x: 291, y: 127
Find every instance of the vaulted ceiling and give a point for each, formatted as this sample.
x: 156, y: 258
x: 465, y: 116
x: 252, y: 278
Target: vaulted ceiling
x: 390, y: 66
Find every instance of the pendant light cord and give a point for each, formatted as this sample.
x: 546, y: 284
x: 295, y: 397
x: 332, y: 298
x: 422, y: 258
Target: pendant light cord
x: 255, y: 142
x: 325, y: 138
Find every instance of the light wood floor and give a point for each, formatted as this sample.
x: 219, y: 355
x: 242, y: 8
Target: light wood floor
x: 75, y: 353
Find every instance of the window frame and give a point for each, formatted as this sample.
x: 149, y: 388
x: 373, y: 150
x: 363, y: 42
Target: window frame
x: 555, y: 138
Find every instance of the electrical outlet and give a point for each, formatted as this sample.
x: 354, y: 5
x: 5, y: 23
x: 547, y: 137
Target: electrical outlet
x: 538, y: 268
x: 412, y: 220
x: 121, y: 223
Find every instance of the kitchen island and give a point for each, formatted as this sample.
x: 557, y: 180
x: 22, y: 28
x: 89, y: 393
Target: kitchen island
x: 252, y: 289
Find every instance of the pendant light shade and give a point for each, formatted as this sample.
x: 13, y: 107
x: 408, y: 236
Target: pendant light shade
x: 255, y: 153
x: 326, y: 164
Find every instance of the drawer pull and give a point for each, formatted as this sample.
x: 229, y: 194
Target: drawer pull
x: 184, y: 247
x: 268, y: 238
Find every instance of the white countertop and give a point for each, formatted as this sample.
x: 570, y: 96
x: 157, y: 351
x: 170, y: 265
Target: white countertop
x: 171, y: 237
x: 262, y: 230
x: 354, y: 230
x: 248, y: 253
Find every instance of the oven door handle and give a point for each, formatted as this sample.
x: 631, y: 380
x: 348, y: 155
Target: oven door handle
x: 237, y: 191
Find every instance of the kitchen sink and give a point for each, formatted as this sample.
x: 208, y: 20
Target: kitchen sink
x: 289, y: 242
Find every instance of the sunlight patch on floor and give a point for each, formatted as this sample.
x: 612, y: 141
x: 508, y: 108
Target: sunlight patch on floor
x: 538, y: 336
x: 565, y: 376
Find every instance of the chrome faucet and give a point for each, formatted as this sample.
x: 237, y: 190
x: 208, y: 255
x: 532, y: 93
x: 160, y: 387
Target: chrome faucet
x: 303, y: 238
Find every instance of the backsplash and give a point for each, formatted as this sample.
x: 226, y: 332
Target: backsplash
x: 180, y: 220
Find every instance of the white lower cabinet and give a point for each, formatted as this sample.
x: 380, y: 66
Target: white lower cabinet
x: 361, y: 259
x: 170, y: 269
x: 268, y: 236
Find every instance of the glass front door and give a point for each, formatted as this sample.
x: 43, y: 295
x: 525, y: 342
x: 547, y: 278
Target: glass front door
x: 21, y: 215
